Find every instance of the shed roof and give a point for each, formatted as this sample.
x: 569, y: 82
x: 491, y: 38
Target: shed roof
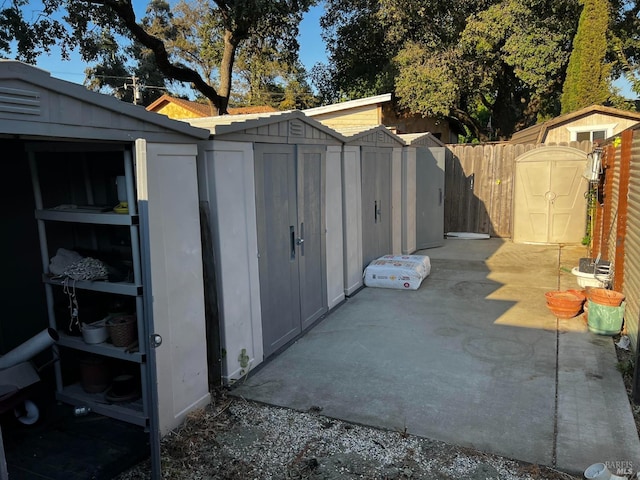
x: 375, y: 136
x: 291, y: 126
x: 425, y: 138
x: 537, y: 133
x: 204, y: 110
x: 34, y: 104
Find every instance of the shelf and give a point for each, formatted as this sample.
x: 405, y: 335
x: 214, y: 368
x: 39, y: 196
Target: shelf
x: 120, y: 288
x: 131, y: 412
x: 86, y: 216
x: 106, y: 349
x: 85, y: 224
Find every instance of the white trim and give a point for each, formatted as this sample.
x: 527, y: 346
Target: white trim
x: 607, y: 127
x: 336, y: 107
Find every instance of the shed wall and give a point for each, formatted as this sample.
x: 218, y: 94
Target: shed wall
x: 335, y: 252
x: 226, y: 177
x: 352, y: 218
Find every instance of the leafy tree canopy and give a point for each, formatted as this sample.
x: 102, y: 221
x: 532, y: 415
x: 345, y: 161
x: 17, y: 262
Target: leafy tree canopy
x: 588, y: 75
x: 184, y: 48
x: 466, y: 60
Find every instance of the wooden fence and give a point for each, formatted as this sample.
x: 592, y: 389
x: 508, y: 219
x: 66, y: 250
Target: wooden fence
x: 479, y: 183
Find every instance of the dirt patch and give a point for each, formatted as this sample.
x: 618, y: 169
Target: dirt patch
x: 238, y: 439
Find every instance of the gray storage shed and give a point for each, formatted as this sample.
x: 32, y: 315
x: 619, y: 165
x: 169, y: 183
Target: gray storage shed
x: 423, y: 169
x: 372, y: 179
x: 274, y: 187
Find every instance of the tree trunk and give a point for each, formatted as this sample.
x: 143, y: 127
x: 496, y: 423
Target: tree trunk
x: 226, y: 71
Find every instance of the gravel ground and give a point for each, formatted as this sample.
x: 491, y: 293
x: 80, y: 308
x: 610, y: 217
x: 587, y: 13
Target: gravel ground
x: 238, y: 439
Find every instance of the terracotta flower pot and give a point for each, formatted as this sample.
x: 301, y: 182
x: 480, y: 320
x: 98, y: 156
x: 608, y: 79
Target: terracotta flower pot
x: 602, y: 296
x: 565, y: 304
x: 568, y: 299
x: 564, y: 311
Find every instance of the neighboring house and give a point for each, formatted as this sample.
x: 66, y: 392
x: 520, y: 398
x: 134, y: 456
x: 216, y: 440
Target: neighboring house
x: 179, y: 108
x: 378, y: 110
x: 594, y: 123
x: 364, y: 112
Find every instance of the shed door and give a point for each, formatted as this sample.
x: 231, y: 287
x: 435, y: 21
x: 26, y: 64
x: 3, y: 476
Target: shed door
x: 289, y: 207
x: 430, y: 197
x: 376, y: 203
x: 549, y: 202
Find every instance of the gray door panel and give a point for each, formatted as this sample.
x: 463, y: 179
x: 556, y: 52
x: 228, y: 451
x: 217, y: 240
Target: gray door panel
x: 384, y: 200
x: 430, y: 197
x: 376, y: 203
x: 291, y: 239
x: 275, y: 180
x: 311, y: 201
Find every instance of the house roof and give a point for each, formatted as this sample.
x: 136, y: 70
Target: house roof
x: 537, y: 133
x: 203, y: 109
x: 35, y: 104
x: 261, y: 123
x: 337, y: 107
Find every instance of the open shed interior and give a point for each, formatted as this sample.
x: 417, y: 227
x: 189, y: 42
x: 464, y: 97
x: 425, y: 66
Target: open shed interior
x: 59, y: 444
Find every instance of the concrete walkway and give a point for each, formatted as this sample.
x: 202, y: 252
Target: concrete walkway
x: 473, y: 357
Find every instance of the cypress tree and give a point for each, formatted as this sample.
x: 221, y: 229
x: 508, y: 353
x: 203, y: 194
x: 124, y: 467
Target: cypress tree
x: 587, y: 79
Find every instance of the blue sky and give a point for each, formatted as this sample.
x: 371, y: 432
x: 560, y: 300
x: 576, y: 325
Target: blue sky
x: 312, y: 48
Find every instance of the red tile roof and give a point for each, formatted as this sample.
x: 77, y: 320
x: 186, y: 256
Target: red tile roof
x: 203, y: 109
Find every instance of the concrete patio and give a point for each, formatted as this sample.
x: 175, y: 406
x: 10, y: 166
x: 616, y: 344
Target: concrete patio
x: 473, y: 357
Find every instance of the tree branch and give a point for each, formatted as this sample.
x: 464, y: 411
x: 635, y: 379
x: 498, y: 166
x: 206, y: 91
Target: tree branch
x: 468, y: 121
x: 124, y: 10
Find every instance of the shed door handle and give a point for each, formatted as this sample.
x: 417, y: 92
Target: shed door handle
x: 292, y: 237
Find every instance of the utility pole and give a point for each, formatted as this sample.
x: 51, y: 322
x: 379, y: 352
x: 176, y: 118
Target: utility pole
x: 137, y: 90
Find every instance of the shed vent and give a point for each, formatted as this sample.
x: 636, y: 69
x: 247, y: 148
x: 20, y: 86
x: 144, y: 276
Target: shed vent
x: 13, y: 100
x: 296, y: 129
x: 381, y: 137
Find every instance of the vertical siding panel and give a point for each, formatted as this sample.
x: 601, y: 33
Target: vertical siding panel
x: 469, y: 211
x: 485, y: 199
x: 621, y: 224
x: 506, y: 190
x: 631, y: 287
x: 452, y: 190
x: 449, y: 175
x: 496, y: 211
x: 610, y: 230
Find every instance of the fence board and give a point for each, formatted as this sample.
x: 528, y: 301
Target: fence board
x: 479, y: 181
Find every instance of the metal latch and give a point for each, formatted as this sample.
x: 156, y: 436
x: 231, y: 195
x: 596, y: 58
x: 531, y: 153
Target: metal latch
x: 155, y: 340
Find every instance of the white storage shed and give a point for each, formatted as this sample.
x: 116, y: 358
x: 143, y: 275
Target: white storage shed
x: 64, y: 147
x: 274, y: 187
